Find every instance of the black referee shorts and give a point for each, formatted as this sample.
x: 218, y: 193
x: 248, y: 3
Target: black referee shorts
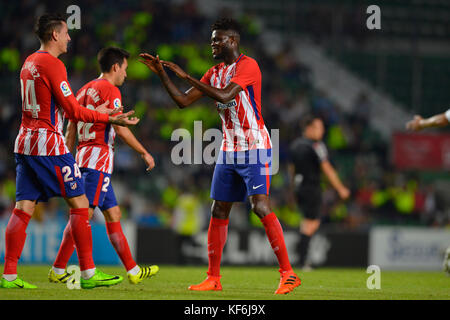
x: 309, y: 201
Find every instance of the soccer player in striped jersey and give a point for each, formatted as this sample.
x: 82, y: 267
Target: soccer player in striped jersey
x: 44, y: 166
x: 243, y: 168
x: 95, y: 153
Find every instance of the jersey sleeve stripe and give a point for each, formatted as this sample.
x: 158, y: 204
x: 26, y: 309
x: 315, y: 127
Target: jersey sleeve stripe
x: 252, y: 100
x: 52, y: 110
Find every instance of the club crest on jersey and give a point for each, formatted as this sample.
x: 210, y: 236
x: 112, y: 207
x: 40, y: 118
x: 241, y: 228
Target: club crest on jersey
x: 116, y: 103
x: 73, y: 185
x: 65, y: 89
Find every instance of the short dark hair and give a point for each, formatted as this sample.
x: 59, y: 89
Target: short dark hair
x: 47, y: 23
x: 226, y: 24
x: 109, y: 56
x: 307, y: 119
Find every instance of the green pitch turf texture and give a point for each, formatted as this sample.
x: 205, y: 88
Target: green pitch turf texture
x: 242, y: 283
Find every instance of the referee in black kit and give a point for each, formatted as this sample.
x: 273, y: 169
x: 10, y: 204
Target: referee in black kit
x: 308, y: 158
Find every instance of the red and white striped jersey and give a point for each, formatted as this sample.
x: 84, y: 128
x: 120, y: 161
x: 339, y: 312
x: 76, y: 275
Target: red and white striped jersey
x: 242, y: 122
x: 95, y: 148
x: 46, y: 100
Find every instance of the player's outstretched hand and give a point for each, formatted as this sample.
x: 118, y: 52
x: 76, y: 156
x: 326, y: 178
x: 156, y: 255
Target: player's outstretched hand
x: 149, y: 161
x: 124, y: 119
x: 103, y: 108
x: 175, y: 68
x: 344, y: 193
x: 414, y: 124
x: 151, y: 62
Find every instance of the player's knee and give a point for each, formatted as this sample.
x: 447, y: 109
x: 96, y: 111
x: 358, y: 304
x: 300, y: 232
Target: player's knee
x: 309, y: 227
x: 219, y: 210
x: 112, y: 214
x: 78, y: 202
x: 26, y: 206
x: 261, y: 208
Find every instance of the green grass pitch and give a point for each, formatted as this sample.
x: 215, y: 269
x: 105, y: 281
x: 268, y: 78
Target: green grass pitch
x: 242, y: 283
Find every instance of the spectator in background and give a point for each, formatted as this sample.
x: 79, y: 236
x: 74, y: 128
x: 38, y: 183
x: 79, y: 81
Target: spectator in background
x: 362, y: 109
x: 323, y: 107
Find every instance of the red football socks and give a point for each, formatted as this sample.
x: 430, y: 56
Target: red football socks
x: 15, y: 236
x: 275, y: 235
x: 82, y: 237
x: 217, y: 236
x: 120, y: 243
x: 116, y: 236
x: 66, y: 249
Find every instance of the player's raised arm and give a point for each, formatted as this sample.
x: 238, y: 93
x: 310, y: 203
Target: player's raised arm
x: 65, y: 98
x: 333, y: 177
x: 221, y: 95
x: 329, y: 171
x: 182, y: 99
x: 129, y: 138
x: 419, y: 123
x: 71, y: 135
x: 222, y: 42
x: 77, y: 113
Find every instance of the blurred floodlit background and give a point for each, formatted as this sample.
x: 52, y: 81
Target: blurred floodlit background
x: 315, y: 56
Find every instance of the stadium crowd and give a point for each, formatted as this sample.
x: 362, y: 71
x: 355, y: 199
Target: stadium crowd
x: 178, y: 195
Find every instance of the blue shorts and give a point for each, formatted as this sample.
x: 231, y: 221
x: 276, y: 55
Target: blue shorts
x: 238, y: 175
x: 99, y: 190
x: 39, y: 178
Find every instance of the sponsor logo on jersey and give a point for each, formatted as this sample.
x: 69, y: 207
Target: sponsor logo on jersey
x: 65, y: 89
x: 229, y: 104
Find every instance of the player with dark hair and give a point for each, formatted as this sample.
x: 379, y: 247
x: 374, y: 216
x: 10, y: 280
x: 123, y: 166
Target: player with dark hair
x: 243, y: 167
x: 436, y: 121
x: 108, y: 57
x: 309, y: 157
x: 95, y: 153
x: 44, y: 166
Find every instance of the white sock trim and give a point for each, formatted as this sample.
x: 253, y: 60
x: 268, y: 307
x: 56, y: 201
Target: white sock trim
x: 134, y: 271
x: 59, y: 271
x: 10, y: 277
x: 88, y: 273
